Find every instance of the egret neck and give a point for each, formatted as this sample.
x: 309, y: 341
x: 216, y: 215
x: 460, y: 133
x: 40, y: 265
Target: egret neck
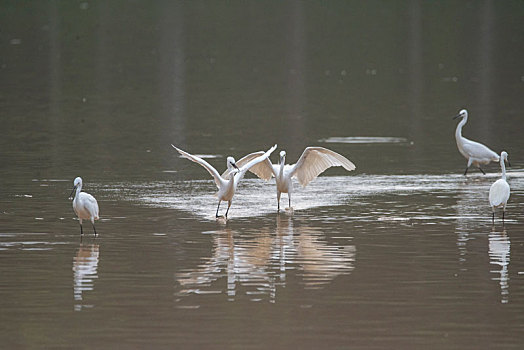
x: 503, y: 168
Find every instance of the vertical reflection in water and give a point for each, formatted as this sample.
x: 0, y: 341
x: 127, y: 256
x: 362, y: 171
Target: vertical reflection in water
x: 485, y: 68
x: 55, y: 76
x: 296, y: 44
x: 499, y: 252
x: 105, y: 80
x: 85, y: 271
x: 470, y: 207
x: 415, y: 68
x: 231, y: 277
x: 257, y: 264
x: 172, y: 71
x: 320, y: 263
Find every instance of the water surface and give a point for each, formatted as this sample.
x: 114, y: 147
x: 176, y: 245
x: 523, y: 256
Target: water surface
x: 400, y: 253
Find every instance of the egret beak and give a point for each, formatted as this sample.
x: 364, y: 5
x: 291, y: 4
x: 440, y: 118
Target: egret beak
x: 234, y: 165
x: 457, y: 116
x: 73, y: 191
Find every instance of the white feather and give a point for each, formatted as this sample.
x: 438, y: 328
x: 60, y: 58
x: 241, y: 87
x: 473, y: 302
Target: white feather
x: 314, y: 161
x: 227, y: 185
x: 475, y: 152
x: 499, y: 193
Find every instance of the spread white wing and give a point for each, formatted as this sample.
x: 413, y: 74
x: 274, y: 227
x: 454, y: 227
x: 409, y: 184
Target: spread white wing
x: 253, y: 162
x: 314, y: 161
x: 205, y: 164
x: 263, y: 170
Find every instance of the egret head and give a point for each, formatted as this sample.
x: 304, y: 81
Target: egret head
x: 282, y: 156
x: 76, y: 183
x: 504, y: 155
x: 462, y: 114
x: 231, y: 163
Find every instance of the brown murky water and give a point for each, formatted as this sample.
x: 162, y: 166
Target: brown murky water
x: 400, y: 253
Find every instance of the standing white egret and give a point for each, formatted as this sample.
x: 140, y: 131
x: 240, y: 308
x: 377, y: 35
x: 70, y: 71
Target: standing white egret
x: 476, y: 153
x: 499, y: 191
x: 312, y: 162
x: 84, y: 205
x: 228, y: 182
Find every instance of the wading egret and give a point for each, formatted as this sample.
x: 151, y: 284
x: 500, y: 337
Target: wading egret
x: 476, y: 153
x: 312, y: 162
x: 228, y: 183
x: 499, y: 191
x: 84, y: 205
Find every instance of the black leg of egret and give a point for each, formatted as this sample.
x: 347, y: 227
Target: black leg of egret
x: 503, y: 212
x: 289, y: 199
x: 81, y: 230
x: 94, y: 229
x: 482, y: 171
x: 228, y: 205
x: 218, y: 208
x: 278, y: 201
x: 493, y: 217
x: 465, y: 172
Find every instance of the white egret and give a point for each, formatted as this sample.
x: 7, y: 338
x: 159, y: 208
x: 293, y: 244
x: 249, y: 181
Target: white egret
x: 499, y: 190
x: 228, y: 182
x: 476, y: 153
x: 84, y: 205
x: 312, y: 162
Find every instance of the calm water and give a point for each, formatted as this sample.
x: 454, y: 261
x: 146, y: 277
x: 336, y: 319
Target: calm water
x: 400, y: 253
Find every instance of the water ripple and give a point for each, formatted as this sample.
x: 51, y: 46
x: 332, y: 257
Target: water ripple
x: 407, y: 195
x: 256, y: 267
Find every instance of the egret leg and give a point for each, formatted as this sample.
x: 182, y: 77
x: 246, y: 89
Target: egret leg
x: 493, y: 217
x: 94, y: 229
x: 81, y: 230
x: 465, y: 172
x: 289, y: 199
x: 503, y: 212
x: 278, y: 200
x: 482, y: 171
x: 218, y: 208
x: 228, y: 205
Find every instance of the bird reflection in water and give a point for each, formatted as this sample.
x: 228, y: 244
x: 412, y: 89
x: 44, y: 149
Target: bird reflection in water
x: 499, y: 251
x: 255, y: 265
x: 471, y: 205
x: 85, y: 271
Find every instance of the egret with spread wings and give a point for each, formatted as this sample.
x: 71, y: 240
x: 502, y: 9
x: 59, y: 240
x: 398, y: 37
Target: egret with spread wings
x: 312, y: 162
x: 228, y: 182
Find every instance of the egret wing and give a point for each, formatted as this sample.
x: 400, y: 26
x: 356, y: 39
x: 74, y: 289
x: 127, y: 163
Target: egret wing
x: 90, y: 202
x: 202, y: 162
x: 314, y: 161
x: 479, y: 151
x: 257, y: 160
x: 499, y: 193
x: 263, y: 170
